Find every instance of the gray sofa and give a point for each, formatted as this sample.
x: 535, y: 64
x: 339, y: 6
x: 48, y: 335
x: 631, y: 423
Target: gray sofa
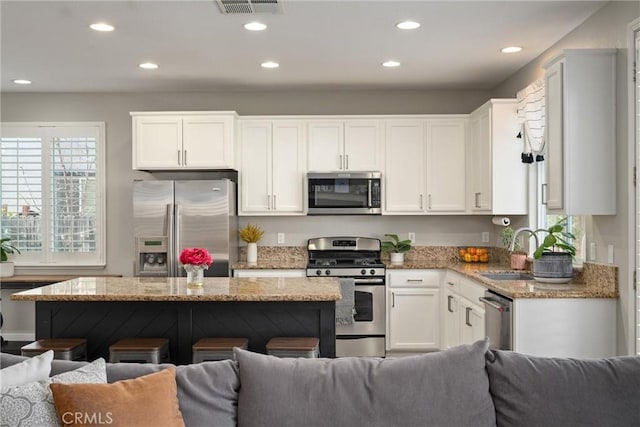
x: 468, y: 385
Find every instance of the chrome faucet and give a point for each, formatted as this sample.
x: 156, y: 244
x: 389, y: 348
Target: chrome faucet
x: 518, y: 231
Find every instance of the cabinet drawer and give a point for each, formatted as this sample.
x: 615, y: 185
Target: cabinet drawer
x: 414, y: 278
x: 471, y: 290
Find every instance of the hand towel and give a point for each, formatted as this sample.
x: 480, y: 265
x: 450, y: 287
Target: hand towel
x: 345, y: 306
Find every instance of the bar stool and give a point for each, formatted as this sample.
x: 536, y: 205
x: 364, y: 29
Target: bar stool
x: 150, y: 350
x: 217, y: 348
x: 294, y: 347
x: 63, y: 348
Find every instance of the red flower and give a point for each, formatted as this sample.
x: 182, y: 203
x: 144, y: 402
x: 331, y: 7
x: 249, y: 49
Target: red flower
x: 195, y: 256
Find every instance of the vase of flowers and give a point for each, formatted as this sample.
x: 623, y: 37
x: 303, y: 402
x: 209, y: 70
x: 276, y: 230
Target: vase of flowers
x: 252, y: 234
x: 195, y: 261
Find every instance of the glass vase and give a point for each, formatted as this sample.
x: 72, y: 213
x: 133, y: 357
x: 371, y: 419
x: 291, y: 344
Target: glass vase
x: 195, y: 275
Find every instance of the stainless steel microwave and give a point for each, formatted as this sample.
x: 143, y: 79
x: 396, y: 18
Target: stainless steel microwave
x: 344, y: 193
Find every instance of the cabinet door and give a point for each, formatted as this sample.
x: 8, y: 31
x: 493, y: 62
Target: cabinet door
x: 471, y: 322
x: 255, y: 170
x: 325, y: 149
x: 480, y: 160
x: 157, y: 142
x: 446, y: 154
x: 404, y: 165
x: 288, y: 167
x: 362, y: 145
x: 553, y: 193
x: 451, y: 319
x: 414, y: 319
x: 207, y: 142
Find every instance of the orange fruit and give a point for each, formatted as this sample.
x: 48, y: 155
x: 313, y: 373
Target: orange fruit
x: 472, y: 251
x: 461, y: 252
x: 467, y: 257
x: 475, y: 258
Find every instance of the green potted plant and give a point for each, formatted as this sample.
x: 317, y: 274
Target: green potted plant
x: 518, y: 257
x: 553, y: 258
x: 6, y: 248
x: 396, y: 248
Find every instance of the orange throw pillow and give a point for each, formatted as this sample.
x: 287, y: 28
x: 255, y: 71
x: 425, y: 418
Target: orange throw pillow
x: 150, y: 400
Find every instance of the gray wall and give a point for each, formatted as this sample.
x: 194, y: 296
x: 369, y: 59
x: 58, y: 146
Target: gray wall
x: 114, y: 108
x: 608, y: 28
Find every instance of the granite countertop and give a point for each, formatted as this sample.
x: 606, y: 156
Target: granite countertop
x: 44, y: 278
x: 175, y: 289
x: 597, y: 283
x: 290, y: 264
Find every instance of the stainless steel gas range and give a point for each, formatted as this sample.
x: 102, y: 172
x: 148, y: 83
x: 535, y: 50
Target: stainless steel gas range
x: 357, y: 258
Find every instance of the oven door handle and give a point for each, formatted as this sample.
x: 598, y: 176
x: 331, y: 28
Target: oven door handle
x: 368, y: 281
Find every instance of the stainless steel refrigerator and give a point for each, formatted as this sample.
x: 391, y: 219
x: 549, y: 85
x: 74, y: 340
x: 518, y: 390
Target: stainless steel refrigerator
x: 172, y: 215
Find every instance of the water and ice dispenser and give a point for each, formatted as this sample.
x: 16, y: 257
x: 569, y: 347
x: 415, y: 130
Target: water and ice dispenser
x: 152, y: 256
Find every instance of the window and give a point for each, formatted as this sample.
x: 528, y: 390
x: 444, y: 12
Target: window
x: 52, y: 192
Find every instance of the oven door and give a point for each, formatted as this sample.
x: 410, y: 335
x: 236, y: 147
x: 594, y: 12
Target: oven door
x: 370, y: 312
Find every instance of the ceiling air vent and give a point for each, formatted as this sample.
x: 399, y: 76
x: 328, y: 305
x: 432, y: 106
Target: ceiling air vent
x: 249, y: 6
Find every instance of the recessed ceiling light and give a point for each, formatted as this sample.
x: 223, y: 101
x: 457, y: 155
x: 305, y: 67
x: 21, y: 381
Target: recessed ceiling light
x: 101, y: 26
x: 391, y: 64
x: 511, y: 49
x: 149, y: 66
x: 408, y: 25
x: 255, y: 26
x: 22, y: 82
x: 269, y: 64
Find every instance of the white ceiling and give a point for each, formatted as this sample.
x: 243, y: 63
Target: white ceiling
x: 319, y: 44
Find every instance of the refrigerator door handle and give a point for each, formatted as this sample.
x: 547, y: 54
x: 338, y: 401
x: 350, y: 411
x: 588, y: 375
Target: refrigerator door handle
x: 169, y: 233
x: 176, y: 242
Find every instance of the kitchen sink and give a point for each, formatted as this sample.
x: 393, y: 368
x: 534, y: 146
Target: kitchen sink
x: 507, y: 275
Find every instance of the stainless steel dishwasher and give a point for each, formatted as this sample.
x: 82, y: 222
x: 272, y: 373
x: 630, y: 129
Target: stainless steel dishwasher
x: 498, y: 320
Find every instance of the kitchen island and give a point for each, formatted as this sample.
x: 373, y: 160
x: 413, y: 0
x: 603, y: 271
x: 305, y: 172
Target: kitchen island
x: 106, y: 309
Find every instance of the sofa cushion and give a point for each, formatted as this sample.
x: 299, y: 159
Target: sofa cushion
x: 538, y: 391
x: 36, y: 368
x: 150, y: 400
x: 32, y: 404
x: 448, y: 388
x: 207, y: 391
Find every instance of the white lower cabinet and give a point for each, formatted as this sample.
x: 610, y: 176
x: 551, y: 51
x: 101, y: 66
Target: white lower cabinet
x: 462, y: 313
x: 413, y: 310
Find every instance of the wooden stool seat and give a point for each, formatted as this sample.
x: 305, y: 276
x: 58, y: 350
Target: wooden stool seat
x: 63, y: 348
x: 294, y: 347
x: 217, y: 348
x: 150, y: 350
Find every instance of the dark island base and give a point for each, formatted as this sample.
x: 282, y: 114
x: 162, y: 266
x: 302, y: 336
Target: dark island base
x: 103, y: 323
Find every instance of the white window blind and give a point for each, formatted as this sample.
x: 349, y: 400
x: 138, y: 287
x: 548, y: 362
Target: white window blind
x: 52, y: 193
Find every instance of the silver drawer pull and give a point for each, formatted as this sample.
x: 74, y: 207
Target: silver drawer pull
x: 414, y: 280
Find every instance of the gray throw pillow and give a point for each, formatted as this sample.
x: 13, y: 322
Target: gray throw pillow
x: 448, y: 388
x: 32, y: 404
x: 539, y: 391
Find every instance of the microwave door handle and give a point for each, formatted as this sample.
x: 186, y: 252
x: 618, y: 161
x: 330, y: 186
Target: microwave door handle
x: 369, y: 201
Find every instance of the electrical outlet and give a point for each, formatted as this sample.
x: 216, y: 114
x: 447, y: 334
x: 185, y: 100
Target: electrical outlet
x: 610, y: 254
x: 485, y: 237
x: 280, y: 238
x: 592, y: 251
x: 412, y: 237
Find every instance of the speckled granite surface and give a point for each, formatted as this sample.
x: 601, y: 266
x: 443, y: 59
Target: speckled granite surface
x: 176, y: 289
x: 274, y: 257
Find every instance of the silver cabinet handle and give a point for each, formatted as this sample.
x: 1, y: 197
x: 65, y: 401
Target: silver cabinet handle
x: 449, y: 299
x: 185, y: 157
x: 274, y: 202
x: 346, y: 161
x: 543, y: 196
x: 450, y: 283
x: 393, y: 299
x: 421, y: 201
x: 467, y: 316
x: 429, y: 202
x: 477, y: 201
x: 179, y: 162
x: 340, y: 162
x: 268, y: 201
x: 414, y: 280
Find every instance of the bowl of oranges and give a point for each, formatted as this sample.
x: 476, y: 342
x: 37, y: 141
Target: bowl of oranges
x: 472, y: 254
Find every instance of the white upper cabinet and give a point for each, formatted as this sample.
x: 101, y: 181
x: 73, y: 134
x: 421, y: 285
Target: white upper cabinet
x: 183, y: 140
x: 271, y: 167
x: 446, y: 154
x: 425, y: 165
x: 580, y: 133
x: 404, y: 178
x: 497, y: 180
x: 351, y: 145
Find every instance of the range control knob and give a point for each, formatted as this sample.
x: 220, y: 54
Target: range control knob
x: 372, y: 271
x: 363, y: 271
x: 318, y: 272
x: 328, y: 272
